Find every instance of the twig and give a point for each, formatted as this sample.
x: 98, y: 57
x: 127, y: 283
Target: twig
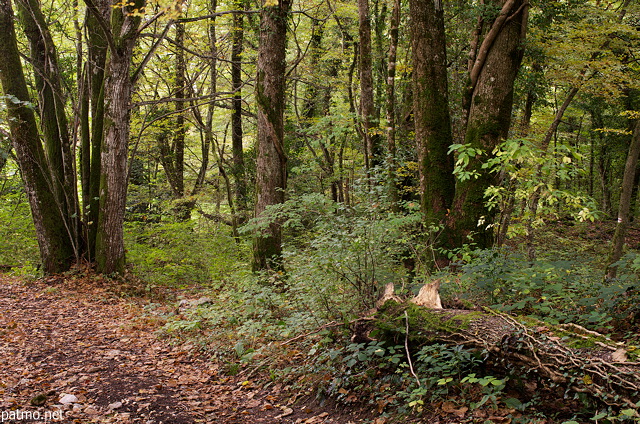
x: 406, y: 347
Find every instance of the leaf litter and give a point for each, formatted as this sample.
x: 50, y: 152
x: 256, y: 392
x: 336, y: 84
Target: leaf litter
x: 72, y: 347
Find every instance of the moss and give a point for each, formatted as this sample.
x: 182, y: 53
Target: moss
x: 425, y: 324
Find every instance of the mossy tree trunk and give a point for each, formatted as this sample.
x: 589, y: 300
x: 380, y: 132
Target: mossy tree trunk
x: 490, y: 102
x: 431, y: 113
x: 54, y: 238
x: 53, y: 119
x: 271, y: 166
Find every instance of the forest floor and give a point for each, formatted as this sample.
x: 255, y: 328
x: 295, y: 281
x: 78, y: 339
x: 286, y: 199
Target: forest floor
x: 74, y: 348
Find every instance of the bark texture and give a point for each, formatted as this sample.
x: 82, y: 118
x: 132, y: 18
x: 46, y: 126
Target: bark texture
x: 110, y: 254
x: 271, y: 161
x: 431, y: 110
x: 56, y: 247
x: 489, y: 118
x: 238, y: 172
x: 368, y: 111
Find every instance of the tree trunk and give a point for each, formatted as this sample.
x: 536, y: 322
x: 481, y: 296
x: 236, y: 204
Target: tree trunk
x: 625, y: 202
x: 180, y: 131
x: 93, y: 131
x: 110, y: 253
x: 56, y: 246
x: 368, y: 112
x: 238, y: 172
x: 271, y: 167
x: 491, y: 89
x: 431, y: 112
x: 53, y: 119
x: 391, y: 106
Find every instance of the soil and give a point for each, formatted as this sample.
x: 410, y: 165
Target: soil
x: 60, y: 337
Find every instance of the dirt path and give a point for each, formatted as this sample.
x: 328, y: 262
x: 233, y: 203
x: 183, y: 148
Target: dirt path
x: 103, y: 354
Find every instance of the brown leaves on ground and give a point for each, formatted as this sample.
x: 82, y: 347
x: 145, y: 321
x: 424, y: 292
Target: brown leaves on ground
x: 77, y: 350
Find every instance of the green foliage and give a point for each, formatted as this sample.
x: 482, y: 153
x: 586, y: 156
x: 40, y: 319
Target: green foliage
x: 18, y: 246
x: 340, y: 255
x: 556, y: 291
x: 180, y: 253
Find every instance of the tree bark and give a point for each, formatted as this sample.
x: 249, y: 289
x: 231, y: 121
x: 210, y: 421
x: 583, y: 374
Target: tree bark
x: 93, y: 129
x: 391, y: 106
x: 56, y: 247
x: 122, y: 36
x: 53, y: 118
x: 368, y: 111
x: 491, y: 87
x: 431, y: 112
x: 180, y: 131
x: 238, y: 169
x: 271, y: 164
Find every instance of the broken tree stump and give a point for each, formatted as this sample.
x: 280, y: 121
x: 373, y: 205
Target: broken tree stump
x: 581, y: 360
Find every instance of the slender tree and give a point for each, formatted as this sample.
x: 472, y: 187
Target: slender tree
x: 368, y: 112
x: 271, y: 161
x: 628, y: 180
x: 238, y: 169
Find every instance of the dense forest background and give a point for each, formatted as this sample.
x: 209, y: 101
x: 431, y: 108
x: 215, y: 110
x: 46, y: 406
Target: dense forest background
x: 296, y: 157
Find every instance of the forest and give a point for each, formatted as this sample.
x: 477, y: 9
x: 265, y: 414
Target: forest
x: 389, y: 210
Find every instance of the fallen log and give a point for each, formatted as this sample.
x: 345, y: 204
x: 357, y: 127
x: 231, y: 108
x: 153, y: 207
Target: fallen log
x: 581, y: 360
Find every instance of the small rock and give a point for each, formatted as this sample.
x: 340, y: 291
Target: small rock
x: 67, y: 399
x: 91, y: 410
x: 115, y: 405
x: 201, y: 301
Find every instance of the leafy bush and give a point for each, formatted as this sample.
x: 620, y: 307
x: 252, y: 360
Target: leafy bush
x: 18, y: 246
x: 338, y: 255
x: 556, y: 291
x: 177, y: 253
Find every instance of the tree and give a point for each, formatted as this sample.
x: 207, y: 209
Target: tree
x: 431, y: 111
x: 368, y: 111
x: 54, y: 238
x: 121, y: 38
x: 238, y: 171
x: 272, y: 160
x: 488, y: 108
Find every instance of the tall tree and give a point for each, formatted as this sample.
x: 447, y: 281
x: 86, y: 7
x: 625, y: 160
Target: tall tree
x: 270, y: 96
x: 391, y: 103
x: 624, y: 209
x: 431, y: 110
x: 238, y: 169
x: 121, y: 36
x: 368, y: 111
x: 92, y: 119
x: 488, y: 107
x: 54, y: 239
